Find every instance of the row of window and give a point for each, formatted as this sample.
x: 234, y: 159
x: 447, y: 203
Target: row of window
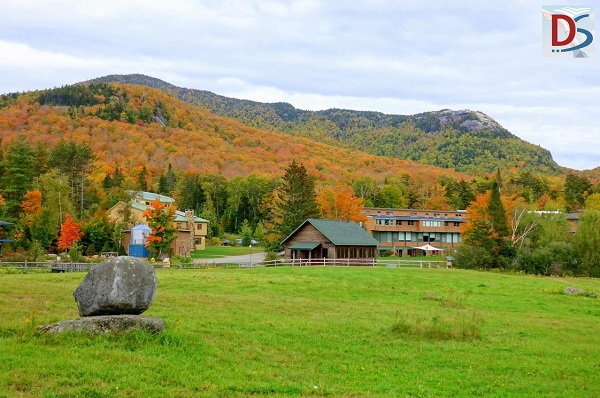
x: 391, y: 236
x: 414, y: 214
x: 380, y: 221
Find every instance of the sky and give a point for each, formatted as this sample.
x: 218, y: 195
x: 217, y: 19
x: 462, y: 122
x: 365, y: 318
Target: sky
x: 396, y: 57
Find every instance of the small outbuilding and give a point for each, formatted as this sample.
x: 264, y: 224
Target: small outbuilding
x: 3, y: 239
x: 330, y: 239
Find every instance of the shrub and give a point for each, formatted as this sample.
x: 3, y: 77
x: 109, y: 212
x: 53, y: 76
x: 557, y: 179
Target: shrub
x: 461, y: 326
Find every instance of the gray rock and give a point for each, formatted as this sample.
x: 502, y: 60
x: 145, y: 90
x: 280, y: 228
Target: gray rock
x: 107, y: 324
x: 120, y: 285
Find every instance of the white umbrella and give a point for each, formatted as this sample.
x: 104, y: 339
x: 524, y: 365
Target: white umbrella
x: 427, y: 247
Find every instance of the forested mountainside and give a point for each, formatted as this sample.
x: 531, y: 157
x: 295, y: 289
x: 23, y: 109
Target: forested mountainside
x: 465, y: 140
x: 94, y: 141
x: 135, y: 126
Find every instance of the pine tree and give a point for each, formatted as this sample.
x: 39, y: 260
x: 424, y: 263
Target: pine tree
x: 17, y: 176
x: 296, y: 200
x: 496, y: 209
x: 142, y: 179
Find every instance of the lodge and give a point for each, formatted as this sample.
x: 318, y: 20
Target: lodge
x: 404, y: 231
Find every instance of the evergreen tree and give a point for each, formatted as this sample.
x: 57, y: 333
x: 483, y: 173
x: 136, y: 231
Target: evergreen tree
x: 17, y: 175
x: 296, y: 201
x: 190, y: 194
x: 75, y: 161
x: 496, y: 209
x: 576, y: 190
x: 142, y: 179
x: 118, y: 178
x: 167, y: 182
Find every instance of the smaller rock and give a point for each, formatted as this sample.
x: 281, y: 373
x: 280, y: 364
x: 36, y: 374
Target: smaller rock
x: 573, y: 290
x: 107, y: 324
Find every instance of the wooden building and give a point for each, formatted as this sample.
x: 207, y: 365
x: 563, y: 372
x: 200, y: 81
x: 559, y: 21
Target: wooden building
x: 329, y: 239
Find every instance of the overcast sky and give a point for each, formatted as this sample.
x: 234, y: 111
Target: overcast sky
x: 400, y: 57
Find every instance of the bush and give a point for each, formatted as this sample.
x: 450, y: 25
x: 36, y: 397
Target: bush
x: 36, y: 252
x: 556, y: 258
x: 271, y: 256
x: 460, y: 326
x: 75, y: 253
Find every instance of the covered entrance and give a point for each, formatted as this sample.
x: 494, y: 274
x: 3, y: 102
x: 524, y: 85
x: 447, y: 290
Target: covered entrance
x: 306, y: 250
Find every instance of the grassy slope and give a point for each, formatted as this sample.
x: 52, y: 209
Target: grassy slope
x: 311, y: 331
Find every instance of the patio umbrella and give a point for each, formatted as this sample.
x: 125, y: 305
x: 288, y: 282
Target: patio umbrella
x: 427, y: 247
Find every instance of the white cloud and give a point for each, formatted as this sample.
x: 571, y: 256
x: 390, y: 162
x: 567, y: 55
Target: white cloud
x: 394, y: 57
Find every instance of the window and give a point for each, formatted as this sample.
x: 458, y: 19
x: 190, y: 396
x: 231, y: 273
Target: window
x: 456, y: 224
x: 398, y: 222
x: 446, y: 223
x: 411, y: 223
x: 199, y: 227
x: 432, y: 223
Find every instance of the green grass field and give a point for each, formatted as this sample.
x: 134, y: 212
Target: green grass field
x: 311, y: 331
x: 220, y: 251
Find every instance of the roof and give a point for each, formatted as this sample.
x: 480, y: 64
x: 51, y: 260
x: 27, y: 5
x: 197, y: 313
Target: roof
x: 340, y: 233
x: 5, y: 223
x: 304, y: 245
x: 150, y: 196
x: 141, y: 227
x: 180, y: 216
x: 573, y: 216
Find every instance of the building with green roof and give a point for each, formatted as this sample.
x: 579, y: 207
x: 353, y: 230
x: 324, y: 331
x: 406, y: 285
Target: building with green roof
x: 329, y: 239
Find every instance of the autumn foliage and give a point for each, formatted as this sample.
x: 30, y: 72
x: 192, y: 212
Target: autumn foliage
x: 69, y: 233
x: 32, y: 205
x: 160, y: 220
x: 340, y: 203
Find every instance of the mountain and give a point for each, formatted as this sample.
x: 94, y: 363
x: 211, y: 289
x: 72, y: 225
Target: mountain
x: 468, y: 141
x: 133, y: 126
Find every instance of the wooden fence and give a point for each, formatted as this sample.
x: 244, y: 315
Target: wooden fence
x: 321, y: 262
x: 52, y: 267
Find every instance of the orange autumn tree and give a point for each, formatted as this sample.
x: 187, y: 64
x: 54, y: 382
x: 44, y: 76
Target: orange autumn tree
x: 160, y: 220
x: 340, y: 203
x: 69, y: 233
x: 32, y: 205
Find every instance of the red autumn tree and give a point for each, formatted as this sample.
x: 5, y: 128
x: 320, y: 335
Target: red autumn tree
x: 69, y: 233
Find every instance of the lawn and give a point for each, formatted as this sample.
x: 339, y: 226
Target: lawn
x: 312, y: 331
x: 221, y: 251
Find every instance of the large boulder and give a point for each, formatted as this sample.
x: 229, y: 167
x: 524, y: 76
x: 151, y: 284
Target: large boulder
x: 120, y: 285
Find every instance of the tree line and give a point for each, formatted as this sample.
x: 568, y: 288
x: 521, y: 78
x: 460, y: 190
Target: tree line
x: 40, y: 185
x: 508, y: 233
